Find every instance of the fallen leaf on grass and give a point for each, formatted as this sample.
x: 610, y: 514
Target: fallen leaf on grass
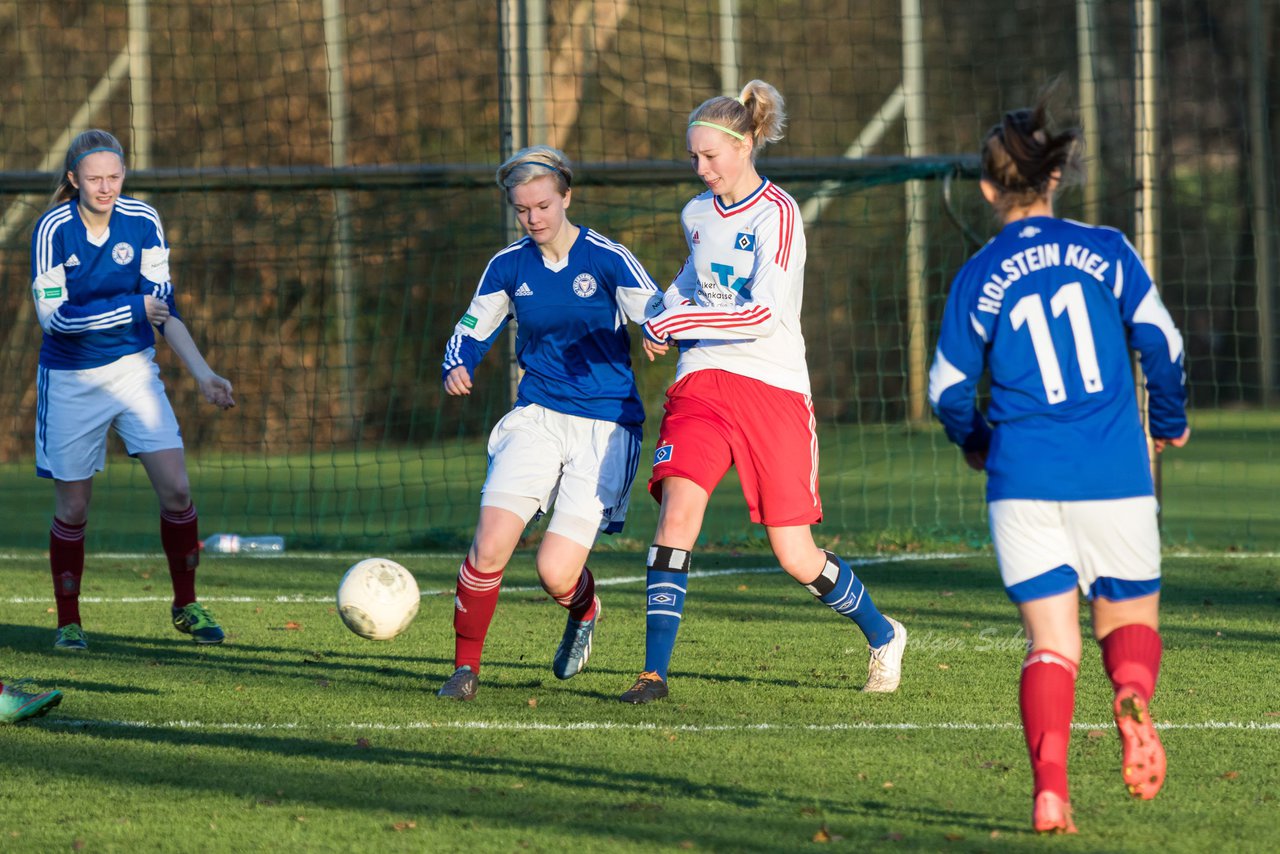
x: 743, y: 587
x: 291, y: 626
x: 533, y: 702
x: 824, y: 835
x: 1271, y: 714
x: 888, y: 784
x: 944, y: 666
x: 1096, y: 733
x: 1230, y: 775
x: 953, y: 837
x: 404, y: 825
x: 363, y: 743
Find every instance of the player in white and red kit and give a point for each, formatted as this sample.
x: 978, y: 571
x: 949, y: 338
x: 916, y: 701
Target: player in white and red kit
x: 1051, y: 308
x: 100, y: 280
x: 741, y: 396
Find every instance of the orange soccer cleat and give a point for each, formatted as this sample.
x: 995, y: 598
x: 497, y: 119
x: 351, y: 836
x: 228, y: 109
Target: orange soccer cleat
x: 1144, y: 761
x: 1052, y: 814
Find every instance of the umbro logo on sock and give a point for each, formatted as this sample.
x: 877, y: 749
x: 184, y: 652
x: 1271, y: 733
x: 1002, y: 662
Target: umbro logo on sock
x: 524, y: 290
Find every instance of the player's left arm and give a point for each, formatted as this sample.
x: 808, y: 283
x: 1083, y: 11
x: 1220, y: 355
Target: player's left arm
x: 153, y: 267
x: 779, y: 249
x: 215, y: 389
x: 1155, y: 336
x: 958, y: 363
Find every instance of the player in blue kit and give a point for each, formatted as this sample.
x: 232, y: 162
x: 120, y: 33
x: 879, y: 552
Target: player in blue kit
x: 100, y: 279
x: 573, y: 438
x: 1051, y: 308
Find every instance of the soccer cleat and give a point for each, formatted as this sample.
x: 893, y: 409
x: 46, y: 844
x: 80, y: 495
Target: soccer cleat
x: 1052, y: 814
x: 884, y: 670
x: 195, y: 620
x: 1144, y: 760
x: 575, y: 645
x: 649, y: 687
x: 462, y: 685
x: 70, y: 637
x: 18, y: 705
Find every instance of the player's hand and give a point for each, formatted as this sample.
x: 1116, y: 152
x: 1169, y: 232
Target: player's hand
x: 458, y: 381
x: 157, y: 310
x: 1159, y: 444
x: 217, y: 391
x: 654, y: 349
x: 977, y: 460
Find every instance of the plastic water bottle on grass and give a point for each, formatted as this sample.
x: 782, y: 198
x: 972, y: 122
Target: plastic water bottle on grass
x: 230, y: 544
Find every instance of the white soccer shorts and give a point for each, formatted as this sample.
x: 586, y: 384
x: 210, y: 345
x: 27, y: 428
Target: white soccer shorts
x: 583, y: 466
x: 1109, y: 549
x: 74, y: 410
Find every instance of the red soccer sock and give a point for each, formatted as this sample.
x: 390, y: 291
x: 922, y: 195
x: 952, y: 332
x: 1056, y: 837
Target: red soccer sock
x: 473, y: 607
x: 180, y: 537
x: 66, y: 562
x: 1131, y: 656
x: 1048, y: 698
x: 581, y: 600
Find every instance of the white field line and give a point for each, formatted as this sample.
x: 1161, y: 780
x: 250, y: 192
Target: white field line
x: 603, y: 582
x: 611, y: 726
x: 314, y: 600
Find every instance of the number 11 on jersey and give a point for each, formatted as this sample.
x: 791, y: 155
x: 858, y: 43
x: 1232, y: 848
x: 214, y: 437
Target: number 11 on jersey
x: 1029, y: 311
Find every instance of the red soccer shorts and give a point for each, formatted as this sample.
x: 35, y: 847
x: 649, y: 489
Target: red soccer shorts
x: 715, y: 419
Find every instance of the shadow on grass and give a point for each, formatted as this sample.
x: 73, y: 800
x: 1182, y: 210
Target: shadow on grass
x: 654, y: 804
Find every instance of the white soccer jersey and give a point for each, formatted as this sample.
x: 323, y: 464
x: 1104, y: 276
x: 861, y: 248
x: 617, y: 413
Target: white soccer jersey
x: 737, y: 299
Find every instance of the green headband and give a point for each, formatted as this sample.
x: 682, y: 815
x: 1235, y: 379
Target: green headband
x: 732, y: 133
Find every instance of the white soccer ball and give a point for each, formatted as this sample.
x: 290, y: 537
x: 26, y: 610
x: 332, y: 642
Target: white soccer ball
x: 378, y: 598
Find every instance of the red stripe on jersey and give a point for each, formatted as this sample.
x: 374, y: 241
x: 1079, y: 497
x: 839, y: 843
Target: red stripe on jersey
x: 738, y: 208
x: 754, y: 316
x: 786, y: 225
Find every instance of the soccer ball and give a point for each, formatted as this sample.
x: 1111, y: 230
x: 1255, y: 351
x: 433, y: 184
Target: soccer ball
x: 378, y: 598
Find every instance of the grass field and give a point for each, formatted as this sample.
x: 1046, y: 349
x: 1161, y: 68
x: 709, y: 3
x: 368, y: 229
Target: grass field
x: 883, y: 487
x: 296, y: 735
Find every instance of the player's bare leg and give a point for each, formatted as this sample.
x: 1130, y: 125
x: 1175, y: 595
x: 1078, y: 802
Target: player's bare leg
x: 1047, y: 700
x: 833, y: 582
x: 563, y: 573
x: 684, y: 505
x: 1128, y: 632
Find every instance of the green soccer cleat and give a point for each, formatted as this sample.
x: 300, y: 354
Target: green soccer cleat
x: 462, y: 685
x: 17, y: 705
x: 575, y: 645
x: 70, y: 637
x: 195, y: 620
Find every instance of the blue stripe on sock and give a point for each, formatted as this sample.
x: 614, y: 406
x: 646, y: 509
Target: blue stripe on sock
x: 851, y: 599
x: 666, y: 591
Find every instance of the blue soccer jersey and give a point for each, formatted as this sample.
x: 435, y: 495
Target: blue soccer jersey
x: 1052, y: 308
x: 571, y: 335
x: 89, y: 289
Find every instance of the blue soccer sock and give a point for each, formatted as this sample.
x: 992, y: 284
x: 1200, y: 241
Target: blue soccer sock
x: 840, y: 590
x: 668, y: 580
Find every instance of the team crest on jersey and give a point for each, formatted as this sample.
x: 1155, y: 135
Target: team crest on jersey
x: 745, y: 242
x: 122, y: 253
x: 663, y: 454
x: 585, y: 285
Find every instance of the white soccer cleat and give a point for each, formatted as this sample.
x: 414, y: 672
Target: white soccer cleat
x: 884, y: 670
